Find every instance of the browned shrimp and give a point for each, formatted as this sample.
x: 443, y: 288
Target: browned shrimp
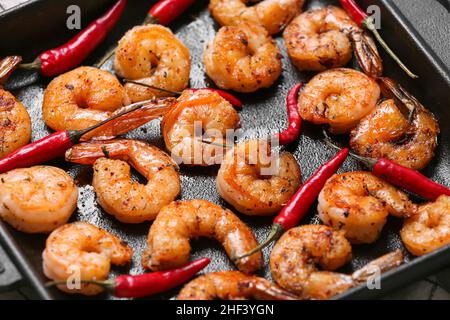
x: 129, y: 201
x: 37, y: 199
x: 386, y: 132
x: 295, y: 256
x: 86, y: 96
x: 15, y: 124
x: 203, y: 111
x: 322, y: 38
x: 230, y: 285
x: 273, y: 15
x: 243, y: 58
x: 243, y: 183
x: 358, y: 203
x: 151, y: 54
x: 81, y: 98
x: 83, y: 249
x: 429, y: 229
x: 339, y: 98
x: 168, y: 240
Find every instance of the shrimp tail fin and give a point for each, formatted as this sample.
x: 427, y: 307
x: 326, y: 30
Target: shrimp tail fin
x: 7, y: 66
x: 378, y: 266
x: 367, y: 54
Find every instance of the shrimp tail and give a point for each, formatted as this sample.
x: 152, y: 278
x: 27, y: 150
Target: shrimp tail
x: 367, y: 54
x: 7, y: 66
x: 378, y: 266
x: 131, y: 120
x: 267, y: 291
x: 406, y: 102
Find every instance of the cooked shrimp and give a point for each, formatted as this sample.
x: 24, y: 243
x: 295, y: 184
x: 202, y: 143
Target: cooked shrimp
x: 15, y: 124
x: 37, y: 199
x: 168, y: 240
x: 429, y: 229
x: 273, y: 15
x: 295, y: 256
x: 322, y: 38
x: 358, y: 203
x: 387, y: 133
x: 231, y: 285
x: 151, y: 54
x: 243, y: 183
x: 129, y: 201
x: 338, y: 97
x: 81, y: 249
x: 197, y: 114
x: 81, y: 98
x: 243, y: 58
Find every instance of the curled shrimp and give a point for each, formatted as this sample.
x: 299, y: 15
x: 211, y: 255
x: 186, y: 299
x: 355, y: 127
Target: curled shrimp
x: 295, y: 256
x: 37, y: 199
x: 429, y: 228
x: 256, y: 182
x: 15, y: 124
x: 399, y: 129
x: 81, y: 98
x: 339, y: 98
x: 168, y: 240
x: 231, y: 285
x: 151, y: 54
x: 322, y: 38
x: 196, y: 114
x: 243, y: 58
x: 129, y: 201
x: 358, y: 203
x: 273, y: 15
x: 82, y: 249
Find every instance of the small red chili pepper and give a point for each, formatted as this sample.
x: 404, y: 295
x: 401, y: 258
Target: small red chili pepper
x: 226, y: 95
x: 73, y: 53
x: 409, y: 179
x: 298, y: 206
x: 165, y: 11
x: 295, y: 121
x: 54, y: 145
x: 138, y: 286
x: 403, y: 177
x: 363, y: 20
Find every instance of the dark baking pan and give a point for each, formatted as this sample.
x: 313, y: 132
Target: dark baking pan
x: 264, y: 112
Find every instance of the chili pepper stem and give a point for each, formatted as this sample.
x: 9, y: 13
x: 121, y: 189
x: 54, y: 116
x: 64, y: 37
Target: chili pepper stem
x: 368, y: 162
x: 32, y: 66
x: 105, y: 58
x: 149, y: 19
x: 275, y: 233
x: 369, y: 24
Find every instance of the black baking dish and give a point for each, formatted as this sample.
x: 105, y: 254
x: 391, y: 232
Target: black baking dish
x: 39, y: 25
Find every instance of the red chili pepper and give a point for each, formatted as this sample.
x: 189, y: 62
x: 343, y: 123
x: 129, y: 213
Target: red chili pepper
x: 138, y: 286
x: 406, y: 178
x: 295, y: 121
x: 298, y: 206
x: 365, y: 21
x: 165, y: 11
x: 54, y: 145
x: 73, y: 53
